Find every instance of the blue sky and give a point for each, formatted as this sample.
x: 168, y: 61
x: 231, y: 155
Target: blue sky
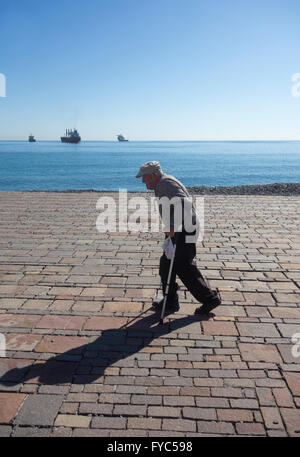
x: 152, y: 70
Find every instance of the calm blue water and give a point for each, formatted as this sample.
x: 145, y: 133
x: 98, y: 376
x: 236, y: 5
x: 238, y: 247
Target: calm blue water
x: 105, y: 165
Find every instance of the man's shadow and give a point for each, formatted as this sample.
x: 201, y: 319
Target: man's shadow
x: 87, y: 363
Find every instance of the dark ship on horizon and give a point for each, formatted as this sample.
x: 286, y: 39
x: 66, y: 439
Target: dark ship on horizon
x: 72, y: 136
x: 31, y: 139
x: 121, y: 138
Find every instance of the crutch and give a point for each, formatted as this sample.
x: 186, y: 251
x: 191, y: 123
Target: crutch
x: 168, y: 283
x: 136, y: 317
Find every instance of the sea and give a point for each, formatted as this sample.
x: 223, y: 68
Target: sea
x: 110, y: 165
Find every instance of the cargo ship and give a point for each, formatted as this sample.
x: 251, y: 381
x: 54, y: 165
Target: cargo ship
x: 121, y: 138
x: 72, y: 136
x: 31, y: 139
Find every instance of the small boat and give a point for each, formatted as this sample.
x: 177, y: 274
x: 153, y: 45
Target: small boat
x: 31, y: 139
x: 121, y: 138
x: 72, y: 136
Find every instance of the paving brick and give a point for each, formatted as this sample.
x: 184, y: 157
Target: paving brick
x: 39, y: 409
x: 283, y: 397
x: 194, y: 373
x: 82, y: 397
x: 244, y: 403
x: 287, y: 298
x: 215, y: 428
x: 146, y: 399
x: 19, y: 320
x: 288, y: 330
x: 91, y: 433
x: 235, y: 415
x: 130, y: 410
x: 61, y: 322
x: 250, y: 429
x: 210, y: 382
x: 22, y: 342
x: 199, y: 413
x: 284, y: 312
x: 125, y: 389
x: 219, y: 328
x: 183, y: 425
x: 286, y: 354
x: 95, y: 408
x: 11, y: 303
x: 109, y: 422
x: 144, y: 423
x: 114, y: 398
x: 70, y: 420
x: 265, y: 396
x: 165, y: 390
x: 177, y: 381
x: 63, y: 291
x: 163, y: 411
x: 104, y: 323
x: 29, y: 432
x: 293, y: 381
x: 175, y: 400
x: 5, y: 431
x: 223, y: 373
x: 212, y: 402
x: 271, y: 417
x: 268, y: 382
x: 233, y: 296
x: 69, y: 408
x: 251, y: 374
x: 122, y: 307
x: 291, y: 418
x: 257, y: 330
x: 13, y: 370
x: 230, y: 392
x: 9, y: 406
x: 195, y: 391
x: 45, y: 389
x: 259, y: 352
x: 61, y: 344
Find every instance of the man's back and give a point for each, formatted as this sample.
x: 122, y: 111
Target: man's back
x: 169, y: 186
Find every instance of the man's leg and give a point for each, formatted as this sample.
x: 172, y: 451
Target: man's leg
x: 186, y: 269
x: 172, y: 300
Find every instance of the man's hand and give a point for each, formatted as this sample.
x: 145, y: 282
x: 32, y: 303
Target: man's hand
x: 171, y: 234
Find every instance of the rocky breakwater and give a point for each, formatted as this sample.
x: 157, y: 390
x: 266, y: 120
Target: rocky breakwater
x: 255, y: 189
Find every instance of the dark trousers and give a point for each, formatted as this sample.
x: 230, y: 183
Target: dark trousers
x: 185, y: 268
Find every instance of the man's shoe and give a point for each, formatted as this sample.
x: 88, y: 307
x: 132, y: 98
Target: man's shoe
x: 208, y: 307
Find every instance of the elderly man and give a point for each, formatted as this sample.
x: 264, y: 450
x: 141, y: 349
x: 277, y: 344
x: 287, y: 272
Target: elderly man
x: 184, y: 265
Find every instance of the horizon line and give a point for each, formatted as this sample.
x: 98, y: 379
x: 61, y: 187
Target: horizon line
x: 160, y: 141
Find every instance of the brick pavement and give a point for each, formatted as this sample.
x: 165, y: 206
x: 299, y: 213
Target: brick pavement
x: 66, y: 291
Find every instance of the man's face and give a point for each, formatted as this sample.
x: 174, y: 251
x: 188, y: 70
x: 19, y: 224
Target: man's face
x: 150, y: 180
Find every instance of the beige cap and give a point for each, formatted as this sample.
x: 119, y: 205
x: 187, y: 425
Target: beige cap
x: 149, y: 167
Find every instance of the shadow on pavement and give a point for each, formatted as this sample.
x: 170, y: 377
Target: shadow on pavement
x: 87, y: 363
